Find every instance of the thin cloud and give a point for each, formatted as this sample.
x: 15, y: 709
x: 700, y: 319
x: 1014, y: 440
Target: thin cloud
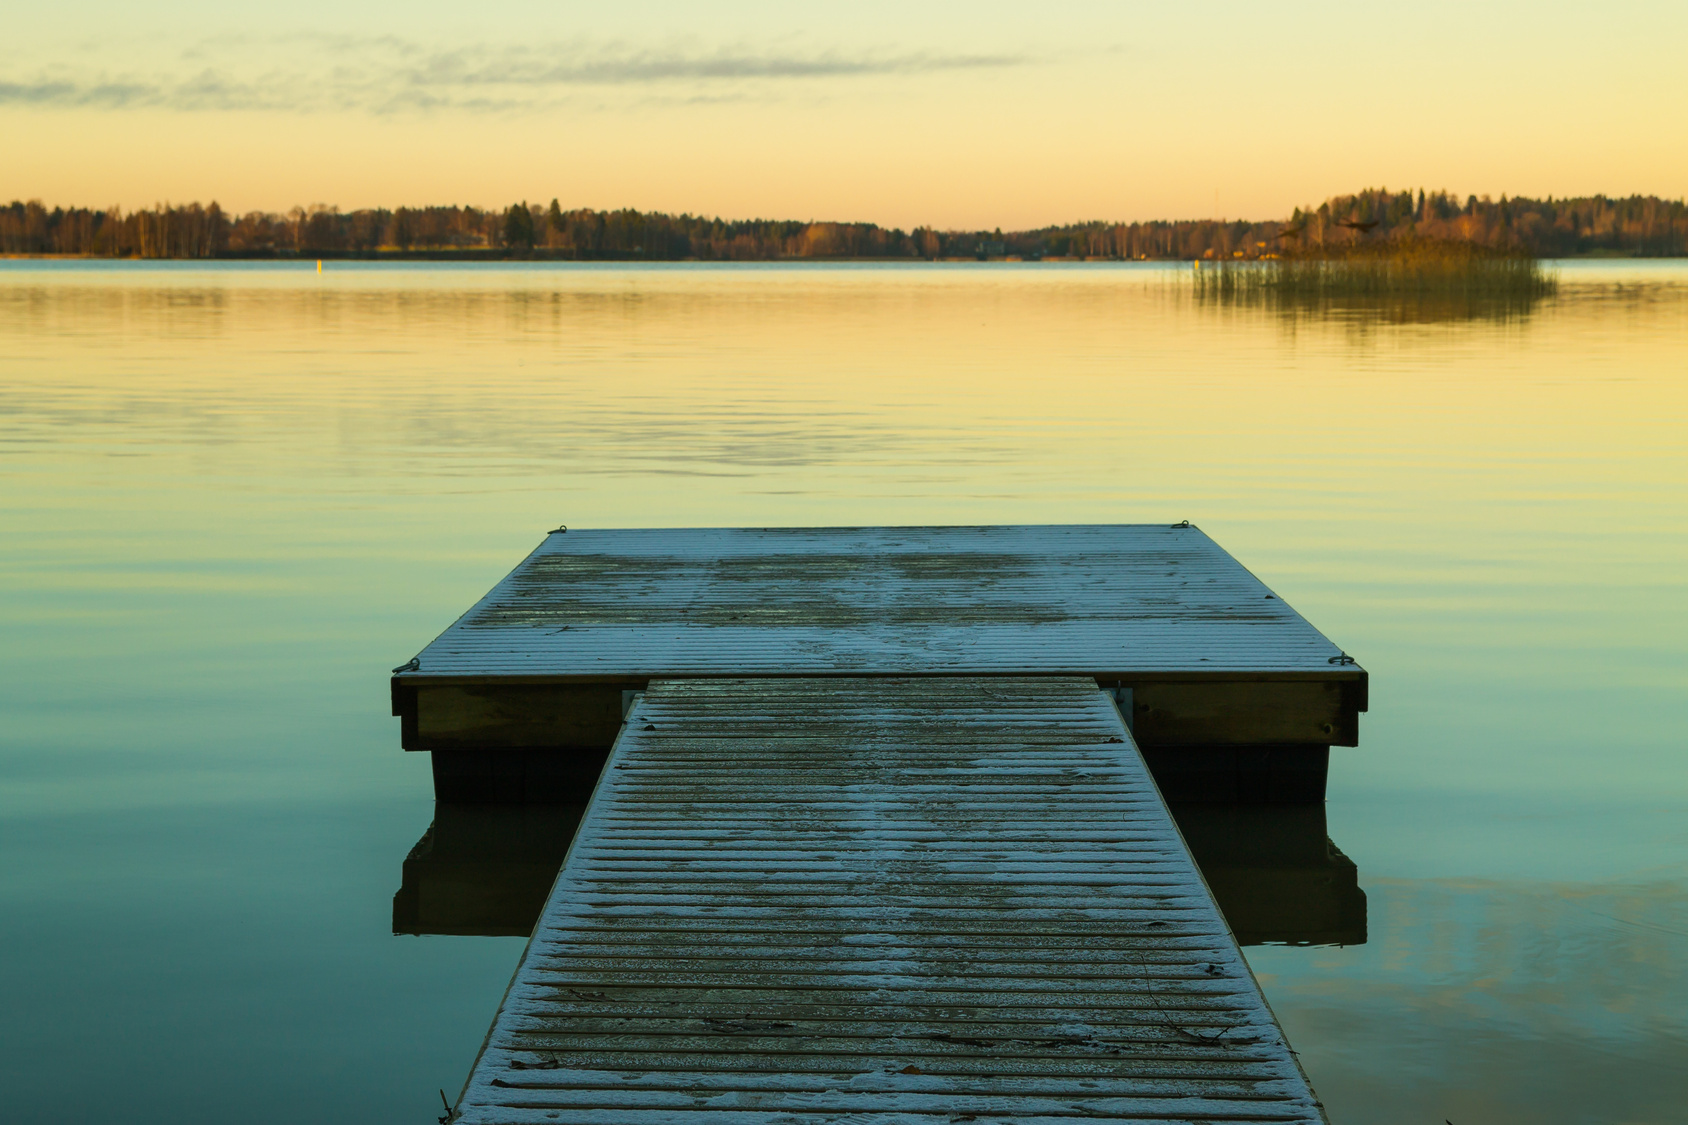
x: 515, y: 69
x: 108, y: 95
x: 386, y: 75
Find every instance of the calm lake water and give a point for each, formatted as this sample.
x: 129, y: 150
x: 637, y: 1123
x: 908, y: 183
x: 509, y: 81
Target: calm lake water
x: 231, y: 499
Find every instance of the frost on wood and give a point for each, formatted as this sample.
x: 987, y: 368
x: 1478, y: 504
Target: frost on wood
x: 816, y: 601
x: 891, y: 900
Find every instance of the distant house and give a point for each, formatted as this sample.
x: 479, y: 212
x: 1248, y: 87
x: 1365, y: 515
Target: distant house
x: 990, y: 250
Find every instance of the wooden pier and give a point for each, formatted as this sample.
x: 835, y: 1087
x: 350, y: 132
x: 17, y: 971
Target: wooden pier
x: 890, y: 899
x: 870, y: 834
x: 1231, y: 694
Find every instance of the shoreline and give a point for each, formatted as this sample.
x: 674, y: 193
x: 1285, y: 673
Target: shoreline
x: 477, y: 255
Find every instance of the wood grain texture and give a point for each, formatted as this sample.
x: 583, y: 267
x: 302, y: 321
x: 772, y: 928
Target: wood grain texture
x: 893, y: 900
x: 1112, y: 600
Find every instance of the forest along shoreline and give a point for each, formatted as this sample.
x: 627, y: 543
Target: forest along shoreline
x: 1591, y: 226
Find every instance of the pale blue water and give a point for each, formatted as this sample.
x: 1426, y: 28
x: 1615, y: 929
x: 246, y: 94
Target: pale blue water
x: 232, y: 498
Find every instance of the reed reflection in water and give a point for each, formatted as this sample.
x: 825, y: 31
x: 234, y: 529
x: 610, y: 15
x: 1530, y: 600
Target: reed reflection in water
x: 1394, y: 282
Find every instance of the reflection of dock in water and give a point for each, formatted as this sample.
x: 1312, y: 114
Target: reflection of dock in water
x: 483, y: 869
x: 875, y: 840
x: 1278, y: 877
x: 487, y: 869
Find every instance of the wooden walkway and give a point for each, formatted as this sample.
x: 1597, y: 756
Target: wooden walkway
x: 923, y: 900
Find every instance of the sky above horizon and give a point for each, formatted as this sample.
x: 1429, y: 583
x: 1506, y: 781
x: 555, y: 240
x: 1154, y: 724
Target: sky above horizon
x: 979, y: 115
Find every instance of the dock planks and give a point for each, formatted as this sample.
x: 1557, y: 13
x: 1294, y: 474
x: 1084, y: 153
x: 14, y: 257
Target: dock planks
x: 1111, y: 601
x: 880, y: 900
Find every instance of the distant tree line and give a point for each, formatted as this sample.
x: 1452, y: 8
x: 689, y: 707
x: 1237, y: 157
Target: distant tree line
x: 1644, y: 226
x: 1638, y: 225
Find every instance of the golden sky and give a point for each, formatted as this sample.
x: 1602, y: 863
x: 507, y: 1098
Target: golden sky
x: 954, y: 115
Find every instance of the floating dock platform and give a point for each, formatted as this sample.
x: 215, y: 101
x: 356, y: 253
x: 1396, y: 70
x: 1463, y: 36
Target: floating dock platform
x: 870, y: 834
x: 1231, y: 694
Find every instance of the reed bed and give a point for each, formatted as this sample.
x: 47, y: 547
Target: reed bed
x: 1412, y: 281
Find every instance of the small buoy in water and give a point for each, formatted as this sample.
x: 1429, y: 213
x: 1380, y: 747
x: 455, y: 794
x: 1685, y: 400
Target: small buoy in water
x: 319, y: 265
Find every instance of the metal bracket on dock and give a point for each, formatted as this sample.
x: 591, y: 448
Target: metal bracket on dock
x: 1123, y: 698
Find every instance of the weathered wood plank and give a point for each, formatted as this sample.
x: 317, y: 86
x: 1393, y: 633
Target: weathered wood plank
x: 872, y: 919
x: 511, y: 716
x: 1115, y: 600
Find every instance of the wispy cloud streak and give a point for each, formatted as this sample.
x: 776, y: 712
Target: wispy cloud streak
x: 309, y: 74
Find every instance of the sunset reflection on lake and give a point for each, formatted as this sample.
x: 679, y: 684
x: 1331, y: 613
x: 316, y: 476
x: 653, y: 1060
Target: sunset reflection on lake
x: 235, y: 497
